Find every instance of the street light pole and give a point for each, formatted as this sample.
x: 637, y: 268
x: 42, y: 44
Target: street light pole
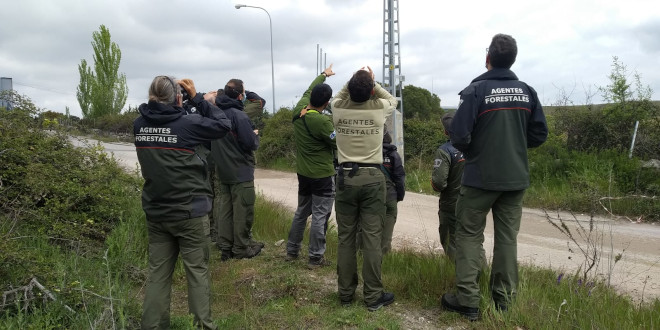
x: 272, y: 63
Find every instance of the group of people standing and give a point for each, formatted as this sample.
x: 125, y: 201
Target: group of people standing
x: 345, y: 158
x: 177, y: 146
x: 353, y: 148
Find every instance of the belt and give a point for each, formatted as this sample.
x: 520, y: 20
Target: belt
x: 353, y: 167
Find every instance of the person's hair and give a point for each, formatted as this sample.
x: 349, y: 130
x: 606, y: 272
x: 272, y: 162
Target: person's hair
x: 321, y: 94
x: 360, y: 86
x: 502, y: 51
x: 234, y: 88
x: 221, y: 92
x: 387, y: 138
x: 164, y: 89
x: 447, y: 119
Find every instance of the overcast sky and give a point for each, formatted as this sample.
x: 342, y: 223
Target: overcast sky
x: 562, y: 45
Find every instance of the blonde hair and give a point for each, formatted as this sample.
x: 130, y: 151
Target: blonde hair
x: 164, y: 89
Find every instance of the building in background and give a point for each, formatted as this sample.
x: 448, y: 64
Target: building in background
x: 5, y: 85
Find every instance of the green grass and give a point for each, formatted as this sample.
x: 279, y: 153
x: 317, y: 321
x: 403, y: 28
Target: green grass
x: 575, y: 181
x: 266, y: 292
x: 103, y: 282
x: 419, y: 181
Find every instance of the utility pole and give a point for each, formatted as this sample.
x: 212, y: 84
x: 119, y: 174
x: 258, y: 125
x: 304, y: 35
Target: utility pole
x: 392, y: 78
x: 321, y: 60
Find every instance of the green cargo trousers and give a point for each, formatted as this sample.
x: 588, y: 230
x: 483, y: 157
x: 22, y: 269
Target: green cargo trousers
x: 391, y: 211
x: 236, y: 217
x: 360, y: 202
x: 166, y: 241
x: 472, y: 208
x: 447, y: 230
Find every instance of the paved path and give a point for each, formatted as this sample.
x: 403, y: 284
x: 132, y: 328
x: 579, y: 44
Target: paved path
x: 539, y: 243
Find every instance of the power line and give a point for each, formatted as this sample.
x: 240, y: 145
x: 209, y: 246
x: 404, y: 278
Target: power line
x: 64, y: 93
x: 42, y: 88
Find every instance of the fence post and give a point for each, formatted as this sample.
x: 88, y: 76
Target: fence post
x: 632, y: 143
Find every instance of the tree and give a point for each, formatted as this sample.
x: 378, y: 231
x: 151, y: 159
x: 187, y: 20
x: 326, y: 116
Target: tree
x: 625, y: 102
x: 612, y: 126
x: 20, y: 102
x: 420, y: 103
x: 102, y: 91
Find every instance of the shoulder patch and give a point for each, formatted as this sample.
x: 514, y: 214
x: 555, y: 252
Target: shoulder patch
x: 333, y: 135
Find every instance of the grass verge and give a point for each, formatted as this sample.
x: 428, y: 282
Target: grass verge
x: 267, y: 292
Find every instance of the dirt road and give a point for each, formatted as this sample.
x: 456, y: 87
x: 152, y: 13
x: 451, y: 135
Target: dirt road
x: 637, y: 273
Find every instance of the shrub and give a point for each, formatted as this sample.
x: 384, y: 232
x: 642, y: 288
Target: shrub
x: 117, y: 124
x: 581, y: 181
x: 422, y: 138
x: 277, y: 140
x: 48, y: 188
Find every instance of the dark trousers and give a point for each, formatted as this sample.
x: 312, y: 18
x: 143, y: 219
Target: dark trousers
x: 360, y: 202
x: 236, y: 217
x: 472, y: 208
x: 166, y: 241
x: 315, y: 198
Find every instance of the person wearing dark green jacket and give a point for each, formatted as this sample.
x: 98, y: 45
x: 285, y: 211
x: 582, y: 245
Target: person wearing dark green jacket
x: 315, y: 145
x: 446, y: 179
x: 395, y: 182
x: 176, y: 196
x: 253, y: 106
x: 498, y: 118
x: 233, y: 156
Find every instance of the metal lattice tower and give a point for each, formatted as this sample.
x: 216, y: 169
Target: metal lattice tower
x: 392, y: 78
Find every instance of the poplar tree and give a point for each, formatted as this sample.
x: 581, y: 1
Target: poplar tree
x: 102, y: 91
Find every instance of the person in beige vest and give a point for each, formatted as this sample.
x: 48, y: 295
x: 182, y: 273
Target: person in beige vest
x: 359, y: 113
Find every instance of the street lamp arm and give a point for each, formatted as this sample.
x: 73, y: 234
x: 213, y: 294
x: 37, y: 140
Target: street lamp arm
x: 272, y: 63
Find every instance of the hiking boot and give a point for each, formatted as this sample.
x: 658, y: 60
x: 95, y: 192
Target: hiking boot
x: 385, y: 299
x: 346, y: 302
x: 249, y: 253
x: 450, y: 303
x: 260, y: 245
x: 315, y: 263
x: 290, y: 257
x: 226, y: 255
x: 501, y: 307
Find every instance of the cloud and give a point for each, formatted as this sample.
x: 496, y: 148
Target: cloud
x: 564, y: 46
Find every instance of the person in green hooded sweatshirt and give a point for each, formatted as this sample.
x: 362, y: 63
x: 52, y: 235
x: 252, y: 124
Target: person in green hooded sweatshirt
x: 315, y: 145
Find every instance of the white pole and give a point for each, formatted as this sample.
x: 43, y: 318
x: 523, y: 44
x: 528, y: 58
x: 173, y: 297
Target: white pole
x: 632, y: 144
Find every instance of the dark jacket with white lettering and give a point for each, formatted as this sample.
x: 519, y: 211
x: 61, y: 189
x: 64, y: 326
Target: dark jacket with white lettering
x: 234, y: 153
x: 169, y: 145
x: 447, y: 174
x: 498, y: 118
x: 394, y: 173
